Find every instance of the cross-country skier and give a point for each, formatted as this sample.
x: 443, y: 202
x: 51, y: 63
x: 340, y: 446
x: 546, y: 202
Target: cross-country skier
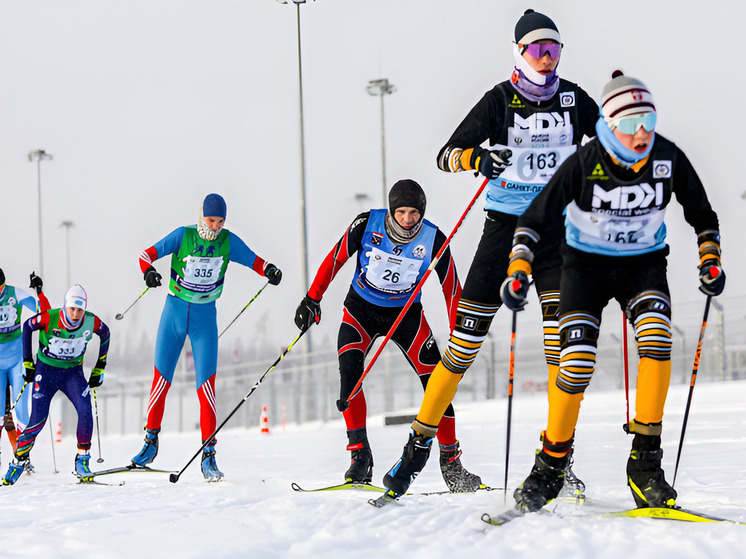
x: 394, y: 249
x: 616, y: 190
x: 64, y: 334
x: 199, y: 258
x: 12, y: 301
x: 516, y: 136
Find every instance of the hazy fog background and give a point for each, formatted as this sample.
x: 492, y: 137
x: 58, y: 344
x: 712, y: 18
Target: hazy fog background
x: 147, y: 106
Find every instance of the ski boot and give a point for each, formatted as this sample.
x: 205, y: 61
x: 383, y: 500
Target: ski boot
x: 413, y: 459
x: 81, y: 467
x: 209, y: 466
x: 573, y: 486
x: 149, y: 450
x: 457, y: 478
x: 361, y: 462
x: 645, y: 476
x: 15, y: 469
x: 543, y: 483
x: 29, y: 467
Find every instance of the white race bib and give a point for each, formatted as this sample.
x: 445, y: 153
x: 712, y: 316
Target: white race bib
x: 391, y: 273
x: 8, y: 316
x: 70, y: 348
x: 202, y: 271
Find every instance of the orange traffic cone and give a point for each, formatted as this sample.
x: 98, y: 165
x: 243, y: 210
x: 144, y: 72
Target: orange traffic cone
x: 58, y: 437
x: 264, y: 421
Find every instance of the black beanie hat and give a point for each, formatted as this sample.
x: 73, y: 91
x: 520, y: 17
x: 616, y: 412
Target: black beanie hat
x: 2, y: 277
x: 534, y: 26
x: 407, y: 193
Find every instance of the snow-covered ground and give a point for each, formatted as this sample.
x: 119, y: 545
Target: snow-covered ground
x: 255, y: 513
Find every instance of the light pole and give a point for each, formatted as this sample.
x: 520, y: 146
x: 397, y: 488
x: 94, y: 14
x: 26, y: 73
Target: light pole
x: 40, y: 155
x: 382, y: 87
x: 304, y: 226
x: 67, y: 225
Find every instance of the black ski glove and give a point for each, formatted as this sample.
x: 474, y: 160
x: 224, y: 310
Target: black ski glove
x: 490, y: 163
x: 308, y: 313
x: 30, y: 367
x: 35, y: 282
x: 152, y: 277
x: 514, y: 291
x: 712, y: 278
x: 273, y: 274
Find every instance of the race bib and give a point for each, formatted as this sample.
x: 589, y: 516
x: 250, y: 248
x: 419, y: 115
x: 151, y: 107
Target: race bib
x: 535, y: 165
x: 202, y: 271
x: 8, y: 316
x: 66, y: 348
x: 391, y: 273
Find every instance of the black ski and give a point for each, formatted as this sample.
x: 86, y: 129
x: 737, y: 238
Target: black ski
x: 130, y: 468
x: 390, y: 496
x: 94, y: 482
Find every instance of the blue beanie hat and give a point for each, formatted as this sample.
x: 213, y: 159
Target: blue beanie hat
x: 214, y: 206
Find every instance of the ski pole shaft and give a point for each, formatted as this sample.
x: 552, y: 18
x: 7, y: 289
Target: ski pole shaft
x: 625, y: 361
x: 511, y: 371
x: 18, y: 398
x: 98, y: 428
x: 120, y: 316
x: 54, y: 456
x: 173, y: 478
x: 243, y: 309
x: 416, y: 291
x: 695, y: 368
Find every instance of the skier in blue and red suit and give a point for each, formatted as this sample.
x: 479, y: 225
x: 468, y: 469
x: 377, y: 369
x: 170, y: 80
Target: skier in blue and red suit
x: 394, y: 249
x: 200, y: 257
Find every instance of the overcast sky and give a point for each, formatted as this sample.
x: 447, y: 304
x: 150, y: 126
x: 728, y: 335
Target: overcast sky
x: 147, y: 106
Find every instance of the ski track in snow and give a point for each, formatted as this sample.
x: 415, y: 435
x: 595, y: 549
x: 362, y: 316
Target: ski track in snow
x: 254, y: 512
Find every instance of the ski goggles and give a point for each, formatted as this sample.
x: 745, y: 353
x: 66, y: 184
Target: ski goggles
x: 538, y: 50
x: 631, y: 124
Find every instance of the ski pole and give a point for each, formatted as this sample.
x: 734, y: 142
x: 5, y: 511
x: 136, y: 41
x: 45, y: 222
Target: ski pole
x: 511, y: 371
x: 98, y: 428
x: 120, y: 316
x: 417, y: 289
x: 54, y: 456
x: 173, y: 478
x: 25, y: 384
x: 695, y: 368
x: 243, y: 309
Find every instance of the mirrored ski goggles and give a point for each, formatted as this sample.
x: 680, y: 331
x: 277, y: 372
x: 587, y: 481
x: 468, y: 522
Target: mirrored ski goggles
x: 538, y: 50
x: 631, y: 124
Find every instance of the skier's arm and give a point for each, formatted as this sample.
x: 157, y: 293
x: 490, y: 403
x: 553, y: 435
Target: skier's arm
x: 348, y: 245
x: 102, y: 331
x: 26, y: 300
x: 241, y: 253
x: 36, y: 322
x: 168, y: 244
x: 449, y: 282
x: 459, y: 153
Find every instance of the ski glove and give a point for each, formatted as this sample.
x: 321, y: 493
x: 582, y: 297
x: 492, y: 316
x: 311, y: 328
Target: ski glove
x: 490, y: 163
x: 308, y: 313
x: 514, y: 291
x: 30, y: 367
x: 273, y: 274
x: 35, y: 282
x: 712, y: 278
x: 152, y: 277
x: 97, y: 377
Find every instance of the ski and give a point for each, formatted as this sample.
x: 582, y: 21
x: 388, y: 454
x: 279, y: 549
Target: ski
x: 130, y: 468
x: 390, y: 496
x: 504, y: 517
x: 676, y: 513
x: 341, y: 486
x: 95, y: 482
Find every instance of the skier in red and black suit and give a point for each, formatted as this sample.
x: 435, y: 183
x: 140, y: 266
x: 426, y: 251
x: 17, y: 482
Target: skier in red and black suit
x: 612, y: 196
x: 394, y: 250
x: 516, y: 136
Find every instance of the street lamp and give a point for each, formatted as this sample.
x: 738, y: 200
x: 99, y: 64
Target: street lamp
x: 40, y: 155
x: 67, y: 225
x: 304, y: 226
x: 382, y: 87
